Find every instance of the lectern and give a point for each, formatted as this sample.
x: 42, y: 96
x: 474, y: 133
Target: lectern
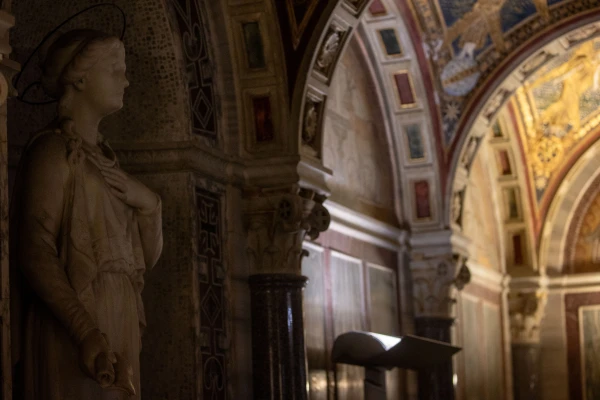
x: 378, y: 353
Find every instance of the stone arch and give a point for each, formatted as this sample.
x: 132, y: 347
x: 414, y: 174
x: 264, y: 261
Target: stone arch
x: 309, y: 94
x: 484, y: 107
x: 575, y: 187
x: 356, y: 142
x: 313, y: 89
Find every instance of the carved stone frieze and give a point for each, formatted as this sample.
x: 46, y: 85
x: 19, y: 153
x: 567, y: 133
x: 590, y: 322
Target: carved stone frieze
x: 277, y: 223
x: 471, y: 150
x: 495, y: 103
x: 435, y: 282
x: 526, y: 311
x: 458, y: 199
x: 330, y: 49
x: 311, y: 123
x: 314, y: 109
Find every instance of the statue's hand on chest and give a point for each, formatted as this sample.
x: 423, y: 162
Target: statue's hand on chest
x: 124, y: 186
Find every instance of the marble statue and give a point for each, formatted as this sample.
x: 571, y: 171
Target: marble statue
x: 83, y: 233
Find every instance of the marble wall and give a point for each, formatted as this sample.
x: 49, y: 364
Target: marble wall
x: 480, y: 333
x: 568, y: 334
x: 479, y: 220
x: 554, y: 372
x: 352, y: 286
x: 355, y: 146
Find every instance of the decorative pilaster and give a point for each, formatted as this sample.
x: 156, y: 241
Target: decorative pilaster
x: 435, y: 282
x: 526, y: 312
x: 277, y: 223
x: 8, y: 69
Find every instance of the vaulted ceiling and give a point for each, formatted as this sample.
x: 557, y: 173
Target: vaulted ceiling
x: 453, y: 74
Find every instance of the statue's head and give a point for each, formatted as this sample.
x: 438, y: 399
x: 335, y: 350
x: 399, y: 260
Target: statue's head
x: 85, y: 66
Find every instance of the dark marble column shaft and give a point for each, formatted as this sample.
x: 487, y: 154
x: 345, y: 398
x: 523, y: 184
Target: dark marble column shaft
x: 278, y: 354
x: 435, y: 383
x: 526, y: 371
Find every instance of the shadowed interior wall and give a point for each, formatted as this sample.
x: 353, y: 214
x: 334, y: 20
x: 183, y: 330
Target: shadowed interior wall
x: 150, y: 135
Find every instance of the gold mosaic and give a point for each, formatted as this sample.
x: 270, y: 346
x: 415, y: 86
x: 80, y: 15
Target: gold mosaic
x: 560, y: 106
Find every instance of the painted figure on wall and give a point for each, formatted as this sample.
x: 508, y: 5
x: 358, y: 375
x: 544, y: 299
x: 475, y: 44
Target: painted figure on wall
x: 580, y: 74
x: 474, y: 26
x: 83, y: 233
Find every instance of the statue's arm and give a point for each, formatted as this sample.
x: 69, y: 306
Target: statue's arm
x: 150, y: 227
x: 45, y: 177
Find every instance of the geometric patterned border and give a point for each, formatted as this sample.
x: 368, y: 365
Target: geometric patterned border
x: 213, y: 337
x: 198, y: 67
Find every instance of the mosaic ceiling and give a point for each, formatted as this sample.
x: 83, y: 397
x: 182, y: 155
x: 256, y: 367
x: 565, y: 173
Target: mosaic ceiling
x: 560, y: 107
x: 467, y: 40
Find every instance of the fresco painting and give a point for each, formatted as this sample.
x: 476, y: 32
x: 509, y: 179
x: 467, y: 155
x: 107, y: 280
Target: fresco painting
x: 558, y: 103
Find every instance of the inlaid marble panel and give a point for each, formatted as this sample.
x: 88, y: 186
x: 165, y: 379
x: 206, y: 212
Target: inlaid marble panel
x: 472, y: 335
x: 348, y: 314
x: 493, y: 352
x: 383, y: 314
x: 313, y: 267
x: 589, y: 331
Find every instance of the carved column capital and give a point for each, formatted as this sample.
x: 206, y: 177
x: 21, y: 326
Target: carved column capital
x: 277, y: 221
x: 526, y: 310
x: 435, y: 282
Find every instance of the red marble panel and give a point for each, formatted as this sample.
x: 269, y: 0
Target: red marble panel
x: 504, y: 159
x: 263, y: 119
x: 406, y: 93
x: 573, y: 301
x: 518, y: 255
x: 377, y: 9
x: 422, y: 200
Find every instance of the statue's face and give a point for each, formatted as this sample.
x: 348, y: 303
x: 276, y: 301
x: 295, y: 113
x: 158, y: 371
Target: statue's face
x: 105, y: 83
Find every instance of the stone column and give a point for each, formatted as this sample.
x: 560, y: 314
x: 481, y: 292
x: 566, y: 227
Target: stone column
x: 277, y: 223
x: 8, y: 68
x: 435, y: 281
x: 526, y: 312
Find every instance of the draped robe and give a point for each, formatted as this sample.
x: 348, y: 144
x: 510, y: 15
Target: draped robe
x: 78, y: 258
